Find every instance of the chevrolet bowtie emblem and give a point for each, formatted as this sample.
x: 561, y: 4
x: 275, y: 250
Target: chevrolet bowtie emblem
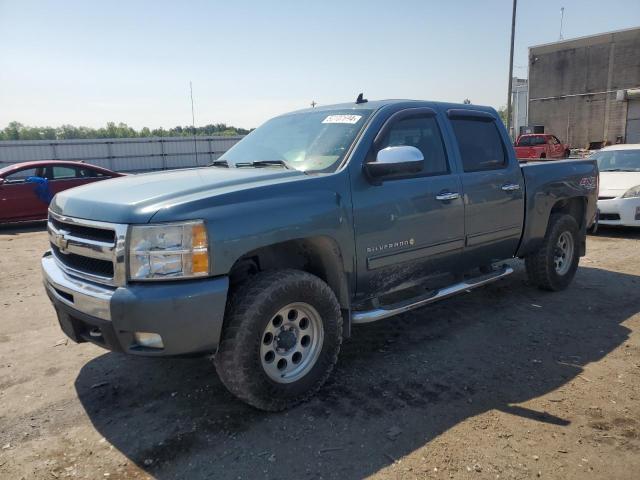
x: 60, y: 241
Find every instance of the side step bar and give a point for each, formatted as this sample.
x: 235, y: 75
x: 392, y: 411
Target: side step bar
x: 376, y: 314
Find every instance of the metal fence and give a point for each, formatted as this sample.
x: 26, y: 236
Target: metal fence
x: 122, y: 154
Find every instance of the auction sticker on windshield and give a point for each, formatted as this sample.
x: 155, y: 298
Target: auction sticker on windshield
x: 351, y: 119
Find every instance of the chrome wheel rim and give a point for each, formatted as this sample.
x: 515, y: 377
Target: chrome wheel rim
x: 291, y: 342
x: 563, y: 253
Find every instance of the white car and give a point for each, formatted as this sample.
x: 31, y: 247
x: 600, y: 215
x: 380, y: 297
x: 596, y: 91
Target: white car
x: 619, y: 197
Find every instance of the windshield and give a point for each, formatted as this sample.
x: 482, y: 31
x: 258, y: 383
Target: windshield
x: 309, y: 141
x: 618, y: 160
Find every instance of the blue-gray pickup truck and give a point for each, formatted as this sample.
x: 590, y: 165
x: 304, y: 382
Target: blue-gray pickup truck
x: 316, y: 221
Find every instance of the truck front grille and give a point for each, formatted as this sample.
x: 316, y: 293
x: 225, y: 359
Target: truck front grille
x: 91, y: 266
x: 81, y: 231
x: 88, y: 249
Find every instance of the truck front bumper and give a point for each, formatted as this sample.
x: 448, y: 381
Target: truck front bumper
x: 152, y: 319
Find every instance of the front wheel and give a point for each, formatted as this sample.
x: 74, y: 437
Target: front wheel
x: 281, y: 339
x: 554, y: 264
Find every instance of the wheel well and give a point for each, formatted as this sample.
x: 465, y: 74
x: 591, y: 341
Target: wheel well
x: 319, y: 256
x: 543, y: 155
x: 573, y: 206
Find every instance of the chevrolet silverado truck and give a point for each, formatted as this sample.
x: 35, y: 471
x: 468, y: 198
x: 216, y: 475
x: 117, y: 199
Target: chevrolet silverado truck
x: 317, y: 221
x: 541, y: 146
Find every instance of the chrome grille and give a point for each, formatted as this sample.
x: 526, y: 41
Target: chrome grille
x: 91, y: 233
x: 88, y: 265
x: 88, y: 249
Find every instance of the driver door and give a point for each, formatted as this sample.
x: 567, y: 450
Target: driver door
x: 408, y: 229
x: 18, y: 199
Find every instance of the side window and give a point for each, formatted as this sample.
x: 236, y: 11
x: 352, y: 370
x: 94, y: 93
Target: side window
x: 424, y: 134
x: 538, y: 141
x: 64, y: 173
x: 21, y: 175
x: 524, y: 142
x: 88, y: 173
x: 481, y: 147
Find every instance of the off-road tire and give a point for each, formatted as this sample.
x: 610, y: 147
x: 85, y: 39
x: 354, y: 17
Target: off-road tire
x: 249, y: 310
x: 540, y: 264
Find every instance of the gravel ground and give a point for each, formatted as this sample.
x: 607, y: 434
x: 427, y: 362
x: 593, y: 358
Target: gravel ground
x: 503, y: 382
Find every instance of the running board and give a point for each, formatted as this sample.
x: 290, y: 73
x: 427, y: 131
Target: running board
x: 376, y: 314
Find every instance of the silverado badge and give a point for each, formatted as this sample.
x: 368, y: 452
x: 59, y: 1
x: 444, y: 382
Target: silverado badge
x: 391, y: 245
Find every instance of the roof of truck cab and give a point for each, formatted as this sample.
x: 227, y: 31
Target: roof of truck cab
x: 378, y: 104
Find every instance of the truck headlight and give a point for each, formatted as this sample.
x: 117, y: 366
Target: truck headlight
x: 632, y: 192
x: 168, y: 251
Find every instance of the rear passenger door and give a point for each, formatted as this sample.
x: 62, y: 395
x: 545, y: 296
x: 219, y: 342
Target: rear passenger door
x: 63, y: 177
x: 493, y: 187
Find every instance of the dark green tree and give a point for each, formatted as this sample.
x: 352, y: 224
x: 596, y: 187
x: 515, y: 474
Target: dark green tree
x: 18, y: 131
x: 502, y: 111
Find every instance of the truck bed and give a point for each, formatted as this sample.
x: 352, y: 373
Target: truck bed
x: 546, y: 184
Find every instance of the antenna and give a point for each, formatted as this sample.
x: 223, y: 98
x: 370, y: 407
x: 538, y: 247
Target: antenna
x: 193, y: 123
x: 361, y: 99
x: 560, y: 37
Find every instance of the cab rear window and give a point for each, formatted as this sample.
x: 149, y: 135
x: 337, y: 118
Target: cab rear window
x: 480, y: 144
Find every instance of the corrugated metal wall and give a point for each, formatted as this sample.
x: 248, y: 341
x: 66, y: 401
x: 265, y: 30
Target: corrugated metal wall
x: 121, y: 154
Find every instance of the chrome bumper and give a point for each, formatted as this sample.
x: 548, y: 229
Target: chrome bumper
x: 186, y: 315
x: 89, y: 298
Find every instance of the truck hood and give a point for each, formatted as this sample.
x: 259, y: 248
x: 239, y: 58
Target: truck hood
x: 614, y: 184
x: 136, y: 198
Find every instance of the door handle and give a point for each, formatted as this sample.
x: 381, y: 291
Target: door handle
x: 447, y: 196
x: 510, y: 187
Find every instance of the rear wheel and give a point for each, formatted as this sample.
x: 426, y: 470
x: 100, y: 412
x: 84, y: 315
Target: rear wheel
x: 281, y: 339
x: 554, y: 264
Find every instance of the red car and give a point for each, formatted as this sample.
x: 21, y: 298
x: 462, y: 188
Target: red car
x: 540, y: 145
x: 27, y: 188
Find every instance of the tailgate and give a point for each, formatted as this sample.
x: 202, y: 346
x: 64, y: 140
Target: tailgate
x: 525, y: 152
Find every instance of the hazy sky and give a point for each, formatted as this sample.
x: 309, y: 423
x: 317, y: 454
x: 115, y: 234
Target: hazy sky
x: 89, y: 62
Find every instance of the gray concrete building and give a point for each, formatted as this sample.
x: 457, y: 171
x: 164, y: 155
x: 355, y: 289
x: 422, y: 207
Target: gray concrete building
x: 587, y: 90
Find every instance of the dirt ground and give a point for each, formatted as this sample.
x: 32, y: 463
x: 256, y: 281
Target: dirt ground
x: 503, y: 382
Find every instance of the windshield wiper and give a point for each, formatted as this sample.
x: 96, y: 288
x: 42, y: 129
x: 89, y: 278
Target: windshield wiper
x: 264, y: 163
x: 219, y: 163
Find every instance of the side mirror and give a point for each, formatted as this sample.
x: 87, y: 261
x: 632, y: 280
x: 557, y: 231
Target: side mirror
x: 395, y: 162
